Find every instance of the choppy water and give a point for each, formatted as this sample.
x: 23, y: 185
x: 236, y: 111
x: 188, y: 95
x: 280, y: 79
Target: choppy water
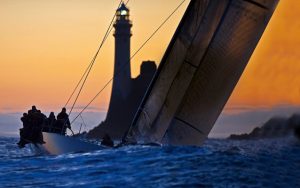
x: 219, y: 163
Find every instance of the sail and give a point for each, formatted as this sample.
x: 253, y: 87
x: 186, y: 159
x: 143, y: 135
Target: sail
x: 200, y: 69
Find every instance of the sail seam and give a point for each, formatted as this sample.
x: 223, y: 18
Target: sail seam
x: 186, y: 55
x: 190, y: 125
x: 257, y: 4
x: 192, y: 65
x: 226, y: 9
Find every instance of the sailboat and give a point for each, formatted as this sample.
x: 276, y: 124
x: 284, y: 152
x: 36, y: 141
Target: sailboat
x: 201, y: 67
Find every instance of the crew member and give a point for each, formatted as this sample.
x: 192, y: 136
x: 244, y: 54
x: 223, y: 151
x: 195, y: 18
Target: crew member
x: 64, y: 122
x: 107, y: 141
x: 50, y: 123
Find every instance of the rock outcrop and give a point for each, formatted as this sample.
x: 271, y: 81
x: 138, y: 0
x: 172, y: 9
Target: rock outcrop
x: 122, y: 110
x: 274, y: 128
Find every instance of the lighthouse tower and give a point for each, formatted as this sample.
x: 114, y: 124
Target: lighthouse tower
x: 122, y: 83
x: 122, y: 74
x: 127, y: 92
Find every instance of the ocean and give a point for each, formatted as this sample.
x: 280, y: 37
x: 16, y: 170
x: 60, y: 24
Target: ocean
x: 218, y: 163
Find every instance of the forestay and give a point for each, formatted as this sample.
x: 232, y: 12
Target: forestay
x: 200, y: 69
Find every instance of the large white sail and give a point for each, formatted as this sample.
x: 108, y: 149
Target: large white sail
x: 200, y: 69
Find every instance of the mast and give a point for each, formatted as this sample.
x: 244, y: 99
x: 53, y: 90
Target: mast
x: 200, y: 69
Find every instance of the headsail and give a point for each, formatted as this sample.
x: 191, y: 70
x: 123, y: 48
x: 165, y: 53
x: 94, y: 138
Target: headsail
x: 200, y: 69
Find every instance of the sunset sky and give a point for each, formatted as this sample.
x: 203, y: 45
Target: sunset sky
x: 46, y: 46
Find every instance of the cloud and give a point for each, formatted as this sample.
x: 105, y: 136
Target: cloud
x: 91, y: 108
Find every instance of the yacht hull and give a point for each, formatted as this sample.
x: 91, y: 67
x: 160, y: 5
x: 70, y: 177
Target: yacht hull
x: 56, y: 144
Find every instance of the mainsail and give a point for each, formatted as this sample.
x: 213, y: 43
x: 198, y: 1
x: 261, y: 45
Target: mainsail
x: 203, y: 63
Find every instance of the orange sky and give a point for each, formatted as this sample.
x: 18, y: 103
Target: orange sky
x: 272, y: 76
x: 46, y: 45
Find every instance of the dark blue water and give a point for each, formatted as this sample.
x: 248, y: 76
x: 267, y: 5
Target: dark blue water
x: 219, y: 163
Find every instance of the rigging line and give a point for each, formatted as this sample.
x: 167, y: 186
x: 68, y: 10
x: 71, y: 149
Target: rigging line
x: 83, y: 123
x: 81, y: 78
x: 92, y: 62
x: 82, y: 120
x: 88, y: 70
x: 77, y: 85
x: 141, y: 47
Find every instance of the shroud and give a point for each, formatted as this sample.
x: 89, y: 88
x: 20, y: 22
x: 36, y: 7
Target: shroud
x: 202, y: 65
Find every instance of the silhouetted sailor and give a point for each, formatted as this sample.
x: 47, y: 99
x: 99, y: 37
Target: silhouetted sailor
x: 39, y: 121
x: 34, y: 117
x: 33, y: 109
x: 24, y: 132
x: 32, y: 127
x: 50, y: 123
x: 107, y: 141
x: 52, y: 118
x: 64, y: 122
x: 25, y: 120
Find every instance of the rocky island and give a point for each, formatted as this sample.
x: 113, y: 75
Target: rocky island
x: 274, y: 128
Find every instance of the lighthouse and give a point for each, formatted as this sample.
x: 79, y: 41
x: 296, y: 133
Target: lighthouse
x: 127, y: 92
x: 122, y: 83
x: 122, y: 73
